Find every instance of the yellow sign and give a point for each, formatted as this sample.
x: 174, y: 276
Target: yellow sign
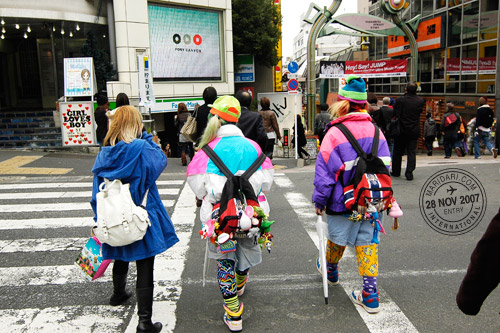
x: 278, y: 69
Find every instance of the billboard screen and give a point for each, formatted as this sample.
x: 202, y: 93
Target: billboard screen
x: 185, y: 43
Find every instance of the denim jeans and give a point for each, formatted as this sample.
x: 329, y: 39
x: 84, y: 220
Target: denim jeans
x: 481, y: 135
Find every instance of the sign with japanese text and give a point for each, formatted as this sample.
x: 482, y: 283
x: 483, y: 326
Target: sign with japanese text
x: 146, y: 95
x: 428, y: 36
x: 77, y: 123
x: 469, y: 66
x: 79, y: 78
x: 246, y: 70
x: 373, y: 68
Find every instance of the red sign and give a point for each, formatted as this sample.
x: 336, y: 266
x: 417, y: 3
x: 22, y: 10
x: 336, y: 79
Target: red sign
x: 292, y: 84
x: 469, y: 66
x: 377, y: 68
x: 428, y: 38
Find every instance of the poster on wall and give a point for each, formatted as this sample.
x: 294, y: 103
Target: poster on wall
x: 331, y: 69
x: 79, y: 78
x: 246, y: 71
x: 282, y: 104
x: 77, y: 123
x: 185, y: 43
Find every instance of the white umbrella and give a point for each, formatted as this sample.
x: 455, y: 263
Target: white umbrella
x: 322, y: 230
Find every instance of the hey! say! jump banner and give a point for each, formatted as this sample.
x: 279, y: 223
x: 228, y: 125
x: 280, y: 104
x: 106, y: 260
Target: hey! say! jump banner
x: 77, y: 124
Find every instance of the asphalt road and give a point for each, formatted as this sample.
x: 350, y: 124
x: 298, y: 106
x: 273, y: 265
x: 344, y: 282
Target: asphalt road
x: 420, y: 269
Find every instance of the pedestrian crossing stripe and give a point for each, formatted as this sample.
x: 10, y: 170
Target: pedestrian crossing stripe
x: 101, y: 318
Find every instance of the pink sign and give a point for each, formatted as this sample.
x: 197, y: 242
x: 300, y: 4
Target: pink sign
x: 469, y: 66
x: 377, y: 68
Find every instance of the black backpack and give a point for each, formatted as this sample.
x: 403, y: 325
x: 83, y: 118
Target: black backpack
x: 236, y: 194
x: 371, y: 185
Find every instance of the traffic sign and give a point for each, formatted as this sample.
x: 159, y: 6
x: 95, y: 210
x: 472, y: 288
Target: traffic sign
x: 293, y: 84
x: 293, y: 67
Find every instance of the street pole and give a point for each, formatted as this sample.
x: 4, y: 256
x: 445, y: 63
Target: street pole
x: 320, y: 21
x: 497, y: 80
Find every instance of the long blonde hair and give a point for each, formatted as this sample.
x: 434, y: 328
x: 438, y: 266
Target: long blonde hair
x: 210, y: 132
x: 343, y: 107
x: 126, y: 126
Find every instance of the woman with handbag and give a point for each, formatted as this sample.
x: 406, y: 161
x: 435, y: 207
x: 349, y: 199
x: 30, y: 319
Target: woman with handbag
x: 130, y: 154
x: 207, y: 181
x: 185, y: 146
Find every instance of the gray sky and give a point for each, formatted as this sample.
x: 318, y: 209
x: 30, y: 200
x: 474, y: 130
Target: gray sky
x: 291, y: 11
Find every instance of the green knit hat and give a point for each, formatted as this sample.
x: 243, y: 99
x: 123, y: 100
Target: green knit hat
x: 354, y: 90
x: 227, y: 108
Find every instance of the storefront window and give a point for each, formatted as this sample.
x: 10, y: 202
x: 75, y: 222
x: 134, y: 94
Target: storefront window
x: 426, y: 88
x: 440, y: 4
x: 439, y: 65
x: 471, y: 23
x: 468, y: 87
x: 380, y: 47
x: 488, y: 19
x: 425, y: 66
x: 453, y: 64
x: 454, y: 26
x: 452, y: 87
x: 469, y: 62
x: 487, y: 60
x: 486, y: 87
x: 427, y: 7
x: 438, y: 88
x: 452, y: 3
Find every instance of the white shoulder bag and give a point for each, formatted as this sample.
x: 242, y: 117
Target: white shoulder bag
x: 119, y: 221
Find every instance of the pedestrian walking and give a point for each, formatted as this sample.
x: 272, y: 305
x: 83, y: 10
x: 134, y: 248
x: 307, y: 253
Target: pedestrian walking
x: 322, y: 119
x: 250, y: 122
x: 450, y: 126
x: 131, y: 155
x: 207, y: 182
x: 407, y: 109
x: 484, y: 121
x: 209, y: 96
x: 336, y: 166
x: 301, y: 139
x: 430, y: 132
x: 270, y: 126
x: 184, y: 146
x: 375, y: 111
x: 100, y: 117
x: 121, y: 100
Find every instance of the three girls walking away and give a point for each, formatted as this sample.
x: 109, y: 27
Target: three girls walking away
x: 335, y: 167
x: 131, y: 155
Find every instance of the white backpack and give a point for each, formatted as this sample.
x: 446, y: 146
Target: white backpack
x: 119, y: 221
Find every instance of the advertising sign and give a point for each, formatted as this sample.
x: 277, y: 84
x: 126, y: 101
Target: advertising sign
x: 331, y: 69
x: 185, y: 43
x: 79, y: 77
x: 146, y: 95
x: 428, y: 38
x: 469, y: 66
x: 246, y: 71
x: 377, y: 68
x: 77, y: 124
x: 171, y: 105
x: 282, y: 105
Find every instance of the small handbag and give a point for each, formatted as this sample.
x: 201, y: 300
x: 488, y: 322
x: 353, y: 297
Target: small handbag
x: 189, y: 128
x: 119, y: 221
x: 90, y: 261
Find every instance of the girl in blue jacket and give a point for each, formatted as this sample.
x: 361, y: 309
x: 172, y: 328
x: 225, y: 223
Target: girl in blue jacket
x: 130, y: 154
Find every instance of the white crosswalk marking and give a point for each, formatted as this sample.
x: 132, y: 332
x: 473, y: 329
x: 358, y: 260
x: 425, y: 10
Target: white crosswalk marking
x: 43, y: 200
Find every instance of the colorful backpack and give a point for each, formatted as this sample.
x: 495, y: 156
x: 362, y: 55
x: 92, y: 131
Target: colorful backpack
x: 371, y: 186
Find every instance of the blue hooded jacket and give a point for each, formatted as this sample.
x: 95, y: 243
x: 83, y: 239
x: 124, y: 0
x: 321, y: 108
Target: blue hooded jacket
x: 138, y: 163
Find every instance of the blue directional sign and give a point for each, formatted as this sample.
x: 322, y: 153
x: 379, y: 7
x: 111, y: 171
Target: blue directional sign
x: 293, y: 67
x: 293, y: 84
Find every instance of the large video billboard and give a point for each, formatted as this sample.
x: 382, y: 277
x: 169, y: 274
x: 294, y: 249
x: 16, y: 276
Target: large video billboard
x: 185, y: 43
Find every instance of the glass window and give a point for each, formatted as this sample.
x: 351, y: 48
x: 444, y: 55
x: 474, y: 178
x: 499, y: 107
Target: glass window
x: 471, y: 23
x: 469, y: 62
x: 486, y: 87
x: 379, y: 51
x: 438, y: 65
x: 440, y: 4
x: 416, y: 8
x: 468, y: 87
x: 452, y: 87
x: 454, y: 26
x: 452, y: 3
x: 425, y: 66
x: 453, y: 63
x: 426, y: 88
x: 427, y: 7
x: 438, y: 87
x: 395, y: 89
x: 488, y: 19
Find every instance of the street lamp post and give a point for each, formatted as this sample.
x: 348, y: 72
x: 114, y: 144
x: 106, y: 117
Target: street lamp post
x: 319, y: 22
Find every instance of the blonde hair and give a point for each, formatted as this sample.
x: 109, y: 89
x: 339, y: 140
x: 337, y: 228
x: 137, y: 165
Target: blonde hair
x: 126, y: 126
x: 210, y: 132
x: 343, y: 107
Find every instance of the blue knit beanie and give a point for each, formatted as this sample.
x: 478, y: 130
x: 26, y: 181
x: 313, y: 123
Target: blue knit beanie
x: 354, y: 90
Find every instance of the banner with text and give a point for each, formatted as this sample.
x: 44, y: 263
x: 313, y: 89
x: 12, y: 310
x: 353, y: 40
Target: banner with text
x: 469, y: 66
x: 375, y: 68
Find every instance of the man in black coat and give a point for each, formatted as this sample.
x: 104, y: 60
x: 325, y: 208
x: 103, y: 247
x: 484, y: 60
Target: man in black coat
x: 209, y: 96
x: 408, y: 109
x: 250, y: 123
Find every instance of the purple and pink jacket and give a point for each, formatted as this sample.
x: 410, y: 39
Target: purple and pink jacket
x: 338, y: 159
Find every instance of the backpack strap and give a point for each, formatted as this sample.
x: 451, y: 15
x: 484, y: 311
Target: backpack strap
x: 255, y: 166
x: 217, y: 161
x: 355, y: 144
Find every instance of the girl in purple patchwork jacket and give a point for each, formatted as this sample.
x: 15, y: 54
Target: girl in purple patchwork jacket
x: 335, y: 166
